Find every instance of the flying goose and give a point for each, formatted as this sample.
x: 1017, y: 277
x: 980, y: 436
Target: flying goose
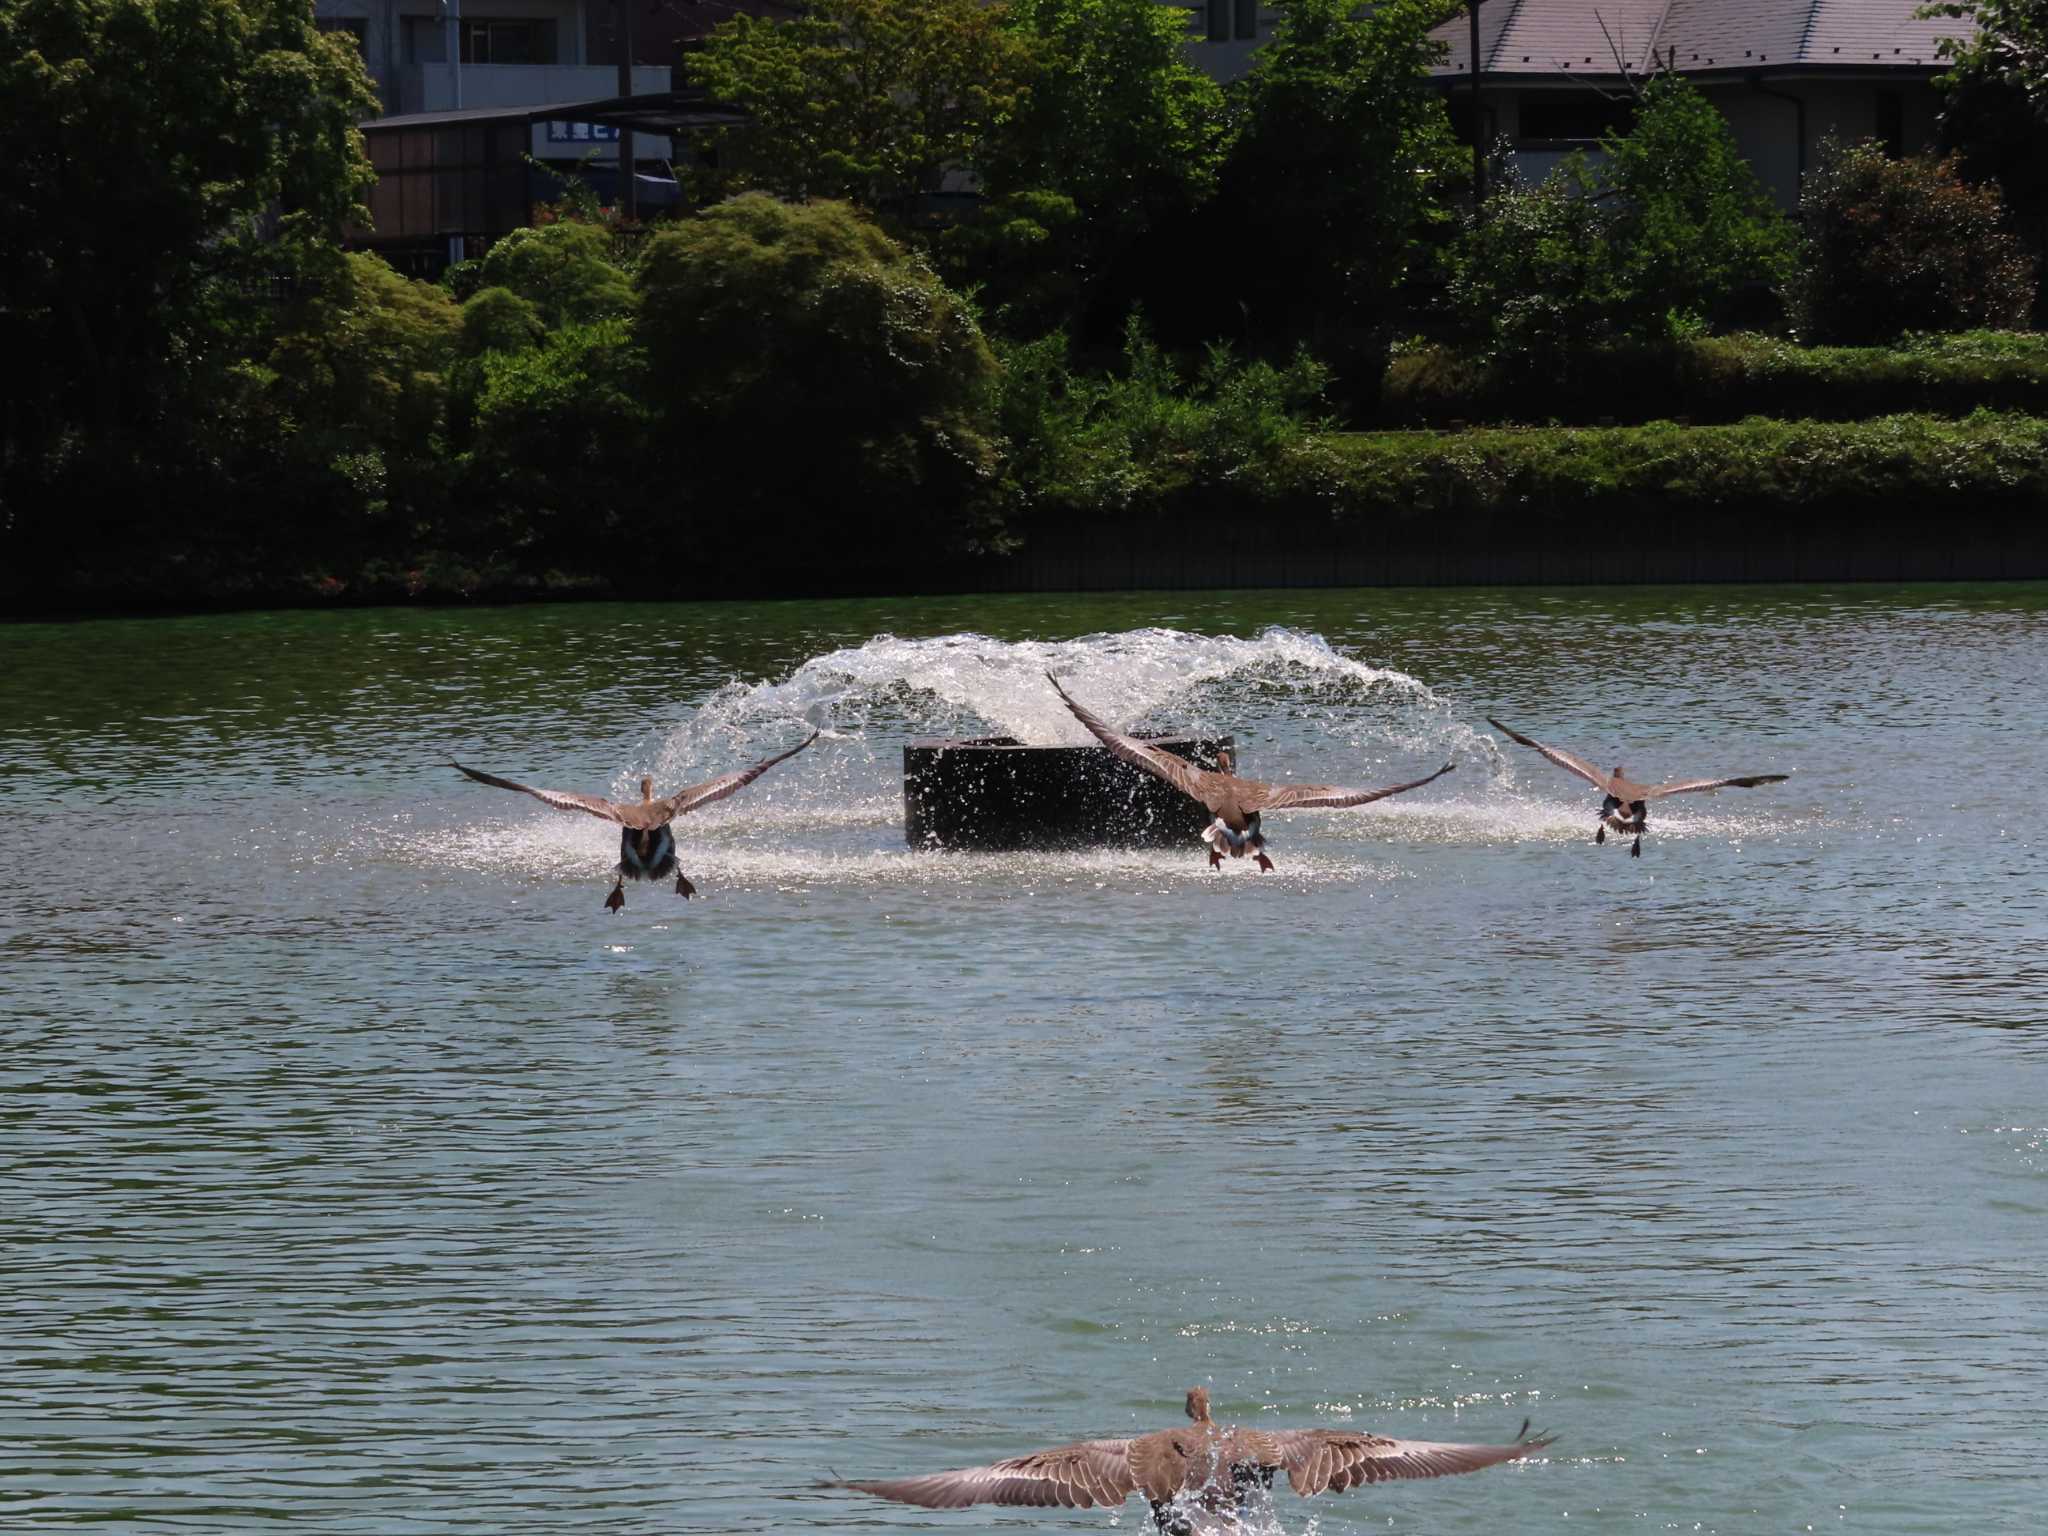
x: 1222, y: 1466
x: 1235, y: 803
x: 1627, y: 806
x: 647, y: 848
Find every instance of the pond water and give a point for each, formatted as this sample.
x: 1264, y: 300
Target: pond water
x: 360, y: 1173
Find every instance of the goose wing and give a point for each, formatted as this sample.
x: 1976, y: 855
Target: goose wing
x: 683, y: 801
x: 1332, y: 1460
x: 1071, y: 1476
x: 1305, y: 797
x: 1196, y: 783
x: 560, y: 799
x: 1694, y: 786
x: 1571, y: 762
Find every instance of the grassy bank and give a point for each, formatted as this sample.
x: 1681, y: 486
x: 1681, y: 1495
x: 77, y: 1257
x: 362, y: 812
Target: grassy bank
x: 1897, y: 470
x: 1914, y: 486
x: 1726, y: 379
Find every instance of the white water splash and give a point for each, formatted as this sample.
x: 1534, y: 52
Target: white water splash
x: 1299, y: 708
x: 890, y: 690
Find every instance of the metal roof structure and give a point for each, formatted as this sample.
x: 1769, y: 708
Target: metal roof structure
x: 1584, y: 37
x: 664, y: 112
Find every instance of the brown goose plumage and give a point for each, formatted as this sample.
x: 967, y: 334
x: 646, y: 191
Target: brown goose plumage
x: 1235, y: 803
x: 1626, y: 806
x: 1219, y: 1465
x: 647, y: 849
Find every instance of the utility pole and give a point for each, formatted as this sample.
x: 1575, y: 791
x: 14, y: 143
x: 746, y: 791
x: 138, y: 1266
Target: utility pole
x: 457, y: 245
x: 629, y: 188
x: 1478, y: 117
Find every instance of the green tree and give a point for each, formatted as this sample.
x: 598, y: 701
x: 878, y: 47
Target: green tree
x: 2006, y: 46
x: 817, y: 381
x: 1532, y: 280
x: 565, y: 270
x: 867, y: 100
x: 354, y: 387
x: 1994, y: 111
x: 1692, y: 226
x: 1340, y: 158
x: 157, y: 152
x: 1116, y: 132
x: 1889, y: 246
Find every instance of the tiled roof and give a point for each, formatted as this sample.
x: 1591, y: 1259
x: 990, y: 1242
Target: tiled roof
x: 1548, y: 37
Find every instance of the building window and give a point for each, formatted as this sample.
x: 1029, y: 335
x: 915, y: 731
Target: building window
x: 508, y: 42
x: 1561, y: 118
x: 1219, y: 20
x: 1891, y: 122
x: 484, y: 41
x: 1248, y: 20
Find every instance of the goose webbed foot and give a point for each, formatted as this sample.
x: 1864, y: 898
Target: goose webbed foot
x: 617, y: 899
x: 1265, y: 864
x: 683, y: 887
x: 1635, y: 849
x: 1600, y: 836
x: 1215, y: 859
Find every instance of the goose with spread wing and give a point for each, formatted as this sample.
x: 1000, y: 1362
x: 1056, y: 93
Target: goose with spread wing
x: 1204, y: 1468
x: 1626, y: 806
x: 1235, y: 803
x: 647, y: 848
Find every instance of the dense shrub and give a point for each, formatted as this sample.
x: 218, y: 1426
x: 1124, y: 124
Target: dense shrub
x: 1335, y: 177
x: 1765, y: 469
x: 499, y: 320
x: 1692, y: 225
x: 819, y: 380
x: 1532, y: 282
x: 564, y: 270
x: 1148, y: 432
x: 354, y: 388
x: 1726, y: 378
x: 1647, y: 243
x: 1894, y: 245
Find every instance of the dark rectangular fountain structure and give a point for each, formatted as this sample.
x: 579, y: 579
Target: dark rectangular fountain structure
x: 993, y: 793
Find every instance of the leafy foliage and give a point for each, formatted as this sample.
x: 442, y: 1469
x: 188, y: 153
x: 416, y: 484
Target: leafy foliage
x: 1691, y: 224
x: 356, y: 379
x: 152, y: 146
x: 865, y: 100
x: 564, y: 270
x: 2008, y: 46
x: 1726, y: 378
x: 1137, y: 437
x: 1116, y: 131
x: 819, y: 380
x: 1894, y: 245
x: 1336, y: 169
x: 1643, y: 244
x: 1534, y: 272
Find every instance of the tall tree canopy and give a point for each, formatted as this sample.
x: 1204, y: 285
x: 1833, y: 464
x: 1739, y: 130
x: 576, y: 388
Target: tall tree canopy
x: 1339, y: 159
x: 151, y: 146
x: 1116, y: 131
x: 867, y: 100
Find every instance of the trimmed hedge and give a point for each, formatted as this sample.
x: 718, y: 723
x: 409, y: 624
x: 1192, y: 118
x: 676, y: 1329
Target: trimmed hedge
x: 1730, y: 378
x: 1898, y: 470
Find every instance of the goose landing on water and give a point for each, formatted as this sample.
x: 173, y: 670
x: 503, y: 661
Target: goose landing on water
x: 1218, y: 1469
x: 1626, y: 808
x: 647, y: 848
x: 1235, y: 803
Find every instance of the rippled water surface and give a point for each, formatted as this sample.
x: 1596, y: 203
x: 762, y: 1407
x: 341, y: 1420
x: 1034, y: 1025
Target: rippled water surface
x: 360, y: 1173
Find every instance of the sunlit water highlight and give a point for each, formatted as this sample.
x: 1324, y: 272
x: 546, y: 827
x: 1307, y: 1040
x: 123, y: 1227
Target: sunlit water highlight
x: 362, y: 1174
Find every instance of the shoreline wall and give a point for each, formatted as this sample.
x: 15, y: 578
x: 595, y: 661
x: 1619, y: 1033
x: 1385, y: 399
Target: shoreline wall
x: 1164, y: 553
